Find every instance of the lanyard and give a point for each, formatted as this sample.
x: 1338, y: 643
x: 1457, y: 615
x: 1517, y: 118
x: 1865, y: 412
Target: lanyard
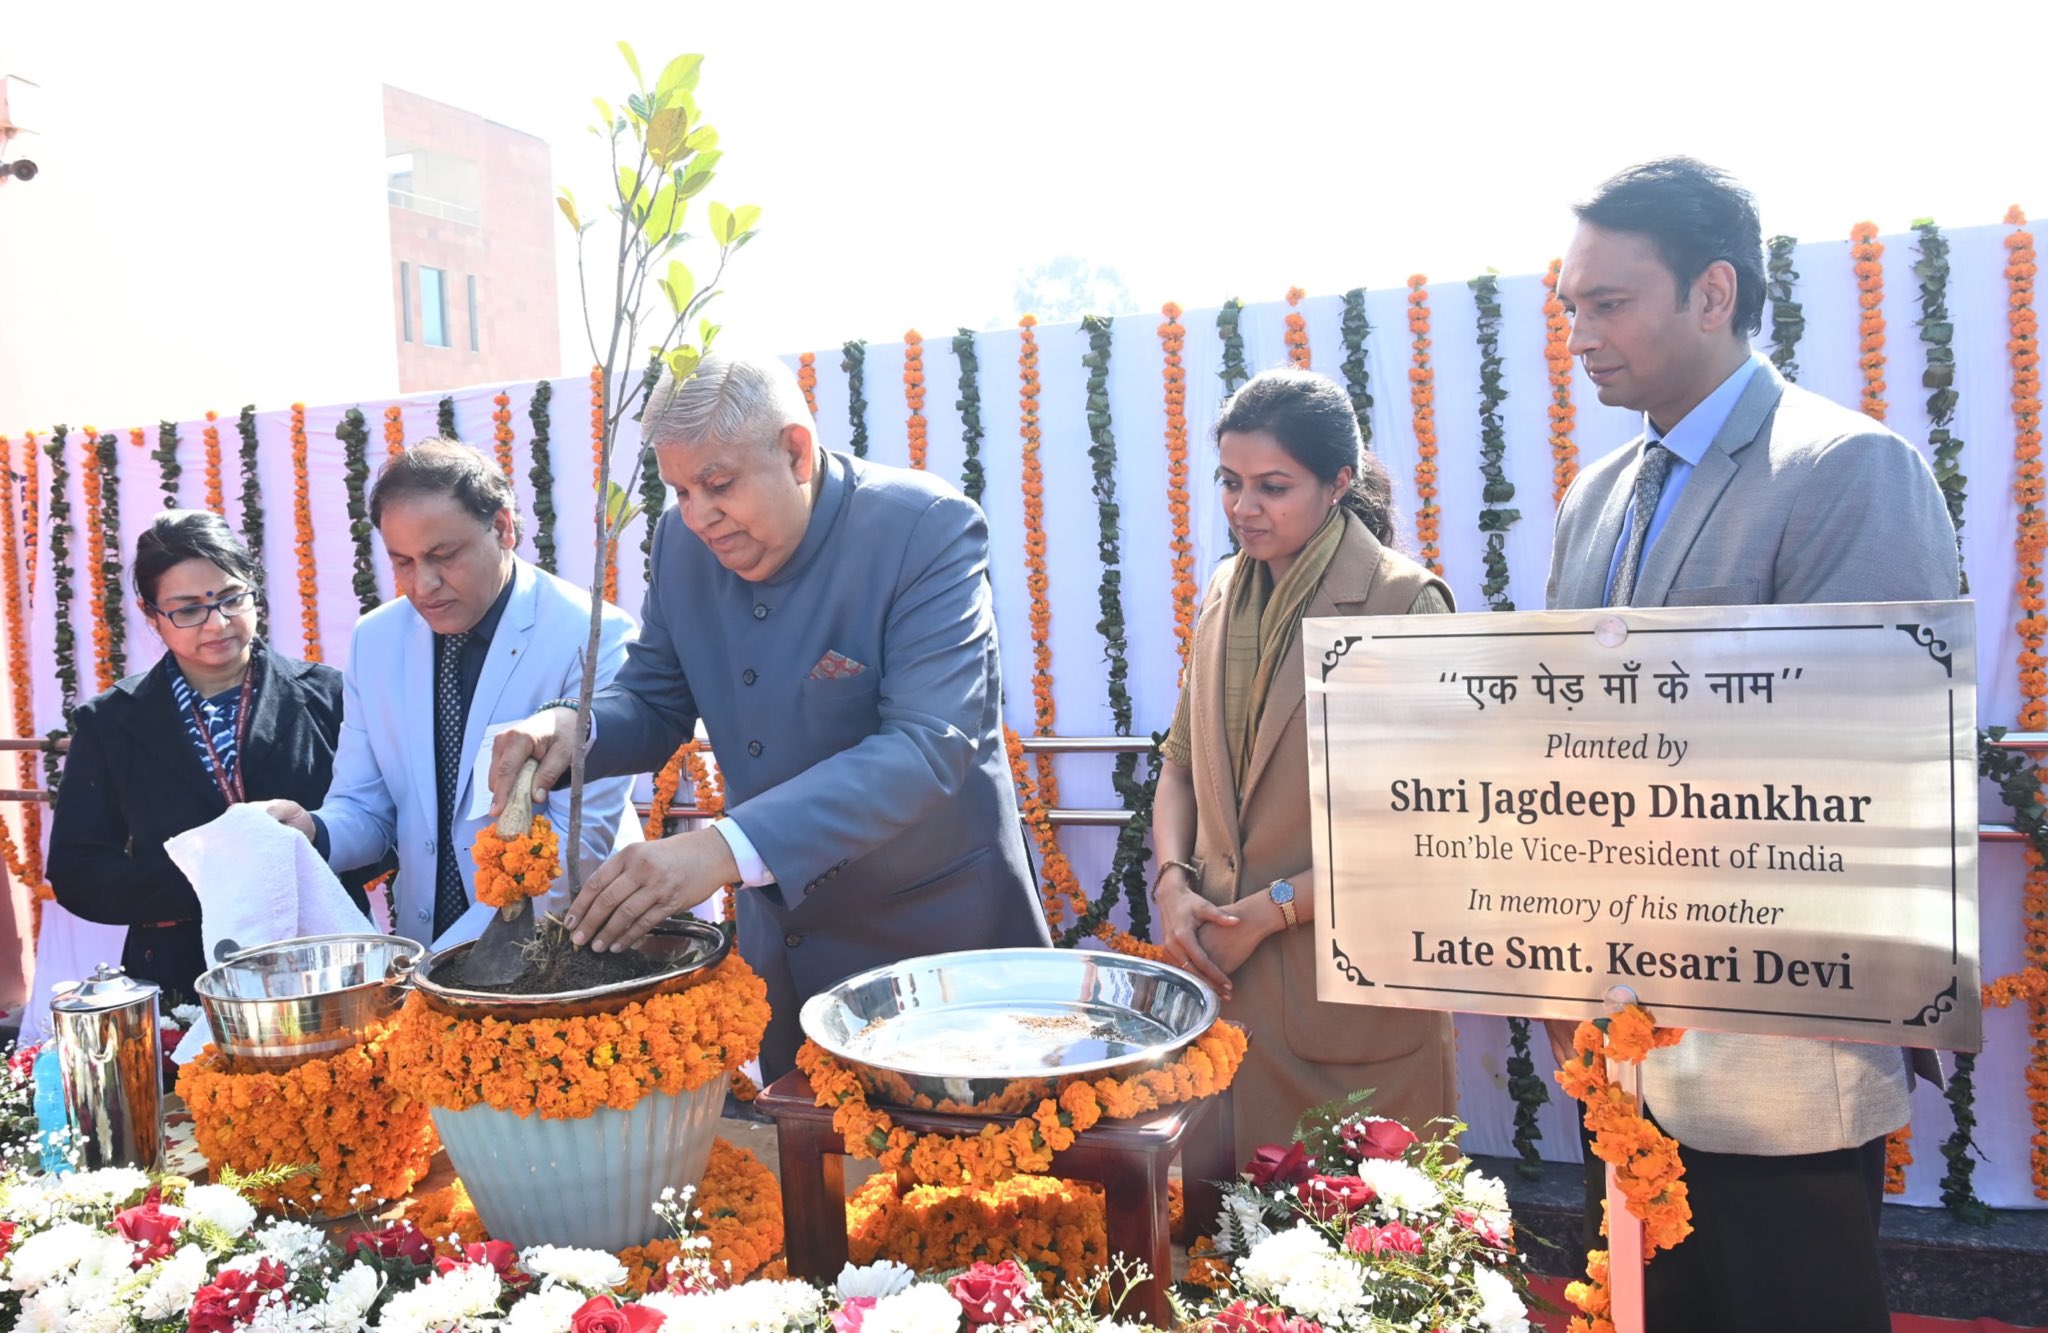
x: 230, y: 788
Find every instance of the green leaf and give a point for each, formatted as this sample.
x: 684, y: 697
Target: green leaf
x: 694, y: 183
x: 721, y: 224
x: 567, y: 203
x: 680, y: 286
x: 629, y: 186
x: 604, y: 110
x: 701, y: 140
x: 683, y: 361
x: 640, y: 109
x: 745, y: 216
x: 665, y: 135
x: 632, y: 63
x: 707, y: 332
x: 680, y: 76
x: 619, y: 506
x: 664, y: 214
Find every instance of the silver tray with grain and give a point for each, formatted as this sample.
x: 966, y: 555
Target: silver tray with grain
x: 990, y: 1031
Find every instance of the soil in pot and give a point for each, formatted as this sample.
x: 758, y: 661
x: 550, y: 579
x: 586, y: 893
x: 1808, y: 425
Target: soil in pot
x: 554, y: 965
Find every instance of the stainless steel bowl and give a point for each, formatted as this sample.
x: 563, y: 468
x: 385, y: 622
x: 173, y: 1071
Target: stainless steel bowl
x: 690, y: 947
x: 988, y: 1031
x: 286, y: 1003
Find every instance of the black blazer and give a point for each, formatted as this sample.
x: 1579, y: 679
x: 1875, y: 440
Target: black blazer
x: 133, y: 780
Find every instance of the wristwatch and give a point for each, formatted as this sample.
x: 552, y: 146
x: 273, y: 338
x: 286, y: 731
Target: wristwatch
x: 1282, y: 894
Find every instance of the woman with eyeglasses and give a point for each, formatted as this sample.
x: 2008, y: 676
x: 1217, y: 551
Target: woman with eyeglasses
x: 220, y: 719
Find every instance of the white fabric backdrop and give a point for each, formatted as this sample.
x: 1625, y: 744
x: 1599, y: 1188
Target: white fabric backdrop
x: 1827, y: 359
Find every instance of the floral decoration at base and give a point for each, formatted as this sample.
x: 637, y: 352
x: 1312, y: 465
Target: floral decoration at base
x: 363, y: 1137
x: 1055, y: 1226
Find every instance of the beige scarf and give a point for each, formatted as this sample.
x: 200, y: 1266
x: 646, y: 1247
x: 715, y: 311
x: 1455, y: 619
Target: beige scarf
x: 1260, y: 626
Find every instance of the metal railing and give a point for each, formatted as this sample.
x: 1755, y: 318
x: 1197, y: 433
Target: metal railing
x: 432, y: 207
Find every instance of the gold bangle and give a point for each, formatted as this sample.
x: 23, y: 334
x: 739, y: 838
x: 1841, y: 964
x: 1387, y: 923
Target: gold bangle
x: 1192, y: 868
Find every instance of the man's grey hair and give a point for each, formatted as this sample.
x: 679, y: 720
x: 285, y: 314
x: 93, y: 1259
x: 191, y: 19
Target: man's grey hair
x: 741, y: 399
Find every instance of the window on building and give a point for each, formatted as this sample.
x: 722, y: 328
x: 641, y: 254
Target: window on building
x: 473, y: 336
x: 434, y: 307
x: 405, y: 297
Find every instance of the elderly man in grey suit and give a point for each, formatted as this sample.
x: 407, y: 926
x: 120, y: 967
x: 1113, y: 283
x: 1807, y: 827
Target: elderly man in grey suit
x: 1743, y: 489
x: 830, y: 620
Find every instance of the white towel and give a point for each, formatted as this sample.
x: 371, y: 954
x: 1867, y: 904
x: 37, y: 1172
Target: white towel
x: 258, y: 882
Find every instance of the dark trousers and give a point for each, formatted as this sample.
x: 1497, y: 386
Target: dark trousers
x: 1779, y: 1245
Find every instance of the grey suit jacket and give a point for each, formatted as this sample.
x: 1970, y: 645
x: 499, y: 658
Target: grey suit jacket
x: 1797, y: 500
x: 880, y: 800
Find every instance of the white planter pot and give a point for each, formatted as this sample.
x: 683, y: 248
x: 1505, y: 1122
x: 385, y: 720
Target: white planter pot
x: 592, y: 1182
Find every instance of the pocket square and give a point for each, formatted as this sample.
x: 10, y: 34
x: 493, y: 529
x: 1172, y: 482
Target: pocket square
x: 833, y: 666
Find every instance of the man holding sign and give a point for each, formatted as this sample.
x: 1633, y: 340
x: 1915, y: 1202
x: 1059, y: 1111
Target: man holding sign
x: 1743, y: 490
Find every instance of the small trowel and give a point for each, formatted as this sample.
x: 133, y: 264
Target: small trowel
x: 499, y: 955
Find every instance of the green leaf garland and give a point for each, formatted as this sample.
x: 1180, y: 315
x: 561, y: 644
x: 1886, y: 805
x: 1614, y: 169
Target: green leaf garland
x: 444, y: 420
x: 60, y: 576
x: 354, y: 434
x: 541, y: 474
x: 1958, y: 1190
x: 1494, y: 517
x: 1937, y: 334
x: 1530, y: 1093
x: 1234, y: 373
x: 1787, y: 323
x: 252, y: 510
x: 166, y: 456
x: 106, y: 455
x: 1357, y: 379
x: 856, y: 406
x: 972, y: 478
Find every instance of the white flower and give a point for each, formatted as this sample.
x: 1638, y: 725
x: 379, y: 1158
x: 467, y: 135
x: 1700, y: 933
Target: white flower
x: 185, y: 1014
x: 348, y: 1298
x: 173, y: 1283
x: 1121, y: 1326
x: 293, y: 1244
x: 1298, y: 1269
x: 885, y: 1277
x: 219, y: 1206
x: 1486, y: 1193
x: 925, y: 1307
x: 1400, y: 1186
x: 545, y: 1311
x: 1500, y: 1309
x: 751, y: 1307
x: 460, y: 1294
x: 592, y: 1272
x: 50, y: 1255
x: 1244, y: 1224
x: 104, y: 1188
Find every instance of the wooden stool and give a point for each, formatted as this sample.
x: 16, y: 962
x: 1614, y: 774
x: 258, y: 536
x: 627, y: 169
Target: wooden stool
x: 1128, y: 1158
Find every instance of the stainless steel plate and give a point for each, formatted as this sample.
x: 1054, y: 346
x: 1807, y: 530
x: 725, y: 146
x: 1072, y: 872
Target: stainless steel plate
x: 282, y: 1004
x: 959, y: 1031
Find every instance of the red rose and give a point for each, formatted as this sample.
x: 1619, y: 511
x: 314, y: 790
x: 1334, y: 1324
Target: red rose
x: 149, y: 1228
x: 1393, y: 1238
x: 992, y: 1293
x: 232, y: 1298
x: 498, y: 1254
x: 1332, y: 1196
x: 1376, y: 1139
x: 602, y: 1314
x: 394, y: 1240
x: 847, y: 1318
x: 1250, y: 1317
x: 1274, y: 1165
x: 6, y: 1238
x: 1470, y: 1219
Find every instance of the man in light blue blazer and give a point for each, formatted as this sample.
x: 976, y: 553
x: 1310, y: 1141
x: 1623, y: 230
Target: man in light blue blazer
x: 830, y: 620
x: 477, y: 637
x: 1742, y: 490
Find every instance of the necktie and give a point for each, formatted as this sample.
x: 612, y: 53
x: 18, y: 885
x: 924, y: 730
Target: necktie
x: 451, y: 900
x: 1649, y: 487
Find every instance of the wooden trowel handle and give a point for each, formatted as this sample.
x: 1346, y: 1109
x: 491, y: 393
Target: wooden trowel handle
x: 517, y: 816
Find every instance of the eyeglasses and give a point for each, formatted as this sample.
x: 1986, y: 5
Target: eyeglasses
x: 190, y: 617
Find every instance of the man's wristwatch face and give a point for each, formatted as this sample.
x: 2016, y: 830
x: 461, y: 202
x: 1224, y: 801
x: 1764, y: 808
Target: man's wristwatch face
x: 1282, y: 891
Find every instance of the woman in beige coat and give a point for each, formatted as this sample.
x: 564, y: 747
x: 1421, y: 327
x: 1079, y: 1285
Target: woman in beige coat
x: 1236, y: 889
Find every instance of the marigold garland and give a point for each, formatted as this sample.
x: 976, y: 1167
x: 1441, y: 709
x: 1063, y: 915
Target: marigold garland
x: 25, y: 863
x: 739, y: 1211
x: 566, y: 1068
x: 2023, y: 346
x: 1025, y: 1146
x: 509, y: 870
x: 913, y: 395
x: 666, y: 784
x: 95, y: 557
x: 1898, y: 1155
x: 302, y: 539
x: 1647, y: 1170
x: 598, y: 480
x: 447, y: 1218
x: 345, y: 1116
x: 1297, y: 330
x: 1186, y: 595
x: 216, y: 495
x: 501, y: 435
x: 394, y: 431
x: 1422, y: 399
x: 542, y: 475
x: 1788, y: 321
x: 1868, y: 252
x: 1557, y: 356
x: 31, y: 487
x: 1057, y: 1227
x: 2018, y: 778
x: 807, y: 380
x: 972, y: 478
